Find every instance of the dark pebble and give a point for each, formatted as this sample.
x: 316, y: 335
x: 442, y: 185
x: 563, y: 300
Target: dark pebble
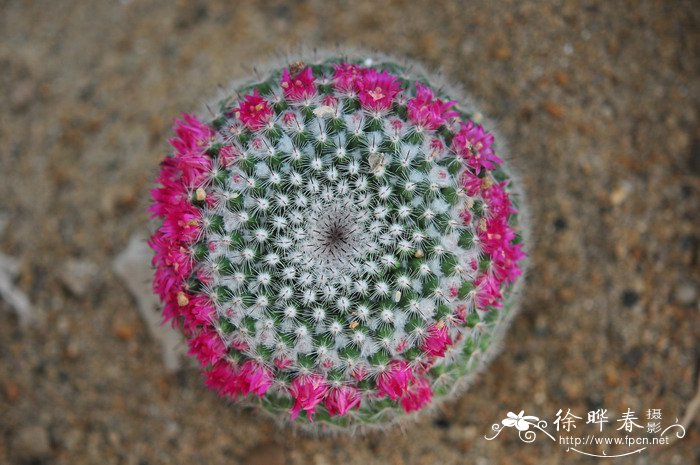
x: 629, y: 298
x: 442, y: 423
x: 560, y: 224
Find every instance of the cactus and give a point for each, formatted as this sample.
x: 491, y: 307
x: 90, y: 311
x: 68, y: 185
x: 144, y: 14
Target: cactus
x: 339, y: 243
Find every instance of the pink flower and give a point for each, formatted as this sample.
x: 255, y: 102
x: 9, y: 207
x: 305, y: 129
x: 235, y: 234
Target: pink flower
x: 359, y: 371
x: 495, y: 235
x: 222, y: 378
x: 488, y: 292
x: 283, y: 362
x: 188, y: 168
x: 200, y: 312
x: 347, y: 76
x: 460, y: 313
x: 193, y: 136
x: 498, y: 200
x: 229, y: 381
x: 172, y: 191
x: 471, y: 183
x: 377, y: 90
x: 300, y: 87
x: 417, y: 396
x: 394, y: 381
x: 401, y: 345
x: 473, y: 144
x: 426, y: 111
x: 173, y: 264
x: 170, y: 243
x: 466, y: 216
x: 240, y: 345
x: 171, y: 313
x: 395, y: 127
x: 342, y: 399
x: 228, y: 154
x: 207, y: 346
x: 255, y: 378
x: 204, y: 276
x: 505, y: 262
x: 195, y: 169
x: 308, y: 391
x: 254, y: 111
x: 290, y: 120
x: 182, y: 223
x: 437, y: 341
x: 329, y: 101
x: 436, y: 148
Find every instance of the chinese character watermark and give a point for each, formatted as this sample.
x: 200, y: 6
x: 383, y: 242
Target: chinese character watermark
x: 565, y: 426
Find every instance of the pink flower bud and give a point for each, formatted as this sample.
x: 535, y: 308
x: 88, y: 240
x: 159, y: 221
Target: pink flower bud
x: 437, y: 341
x: 342, y: 399
x: 394, y: 381
x: 417, y: 396
x: 255, y: 378
x: 473, y: 143
x: 299, y: 87
x: 254, y: 111
x: 308, y: 391
x: 426, y: 111
x: 207, y: 347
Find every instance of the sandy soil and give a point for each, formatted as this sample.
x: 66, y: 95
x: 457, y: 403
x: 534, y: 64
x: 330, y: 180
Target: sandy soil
x: 599, y: 101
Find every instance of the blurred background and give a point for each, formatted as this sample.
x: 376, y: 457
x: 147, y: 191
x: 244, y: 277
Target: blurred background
x: 599, y: 101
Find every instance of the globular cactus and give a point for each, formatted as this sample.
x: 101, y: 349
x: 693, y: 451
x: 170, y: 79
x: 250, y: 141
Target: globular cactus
x: 339, y: 239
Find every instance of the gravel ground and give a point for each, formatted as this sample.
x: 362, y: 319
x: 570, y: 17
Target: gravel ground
x: 598, y: 99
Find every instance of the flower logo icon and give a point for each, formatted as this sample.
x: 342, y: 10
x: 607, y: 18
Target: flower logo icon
x: 520, y: 421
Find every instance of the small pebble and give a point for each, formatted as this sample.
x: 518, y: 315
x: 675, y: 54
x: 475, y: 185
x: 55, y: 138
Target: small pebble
x: 78, y: 276
x: 124, y: 332
x: 620, y: 194
x: 22, y: 95
x: 31, y: 443
x: 686, y: 293
x: 11, y: 391
x: 554, y: 110
x: 561, y: 78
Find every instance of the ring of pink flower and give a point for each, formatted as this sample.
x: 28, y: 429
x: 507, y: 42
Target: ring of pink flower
x: 190, y: 167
